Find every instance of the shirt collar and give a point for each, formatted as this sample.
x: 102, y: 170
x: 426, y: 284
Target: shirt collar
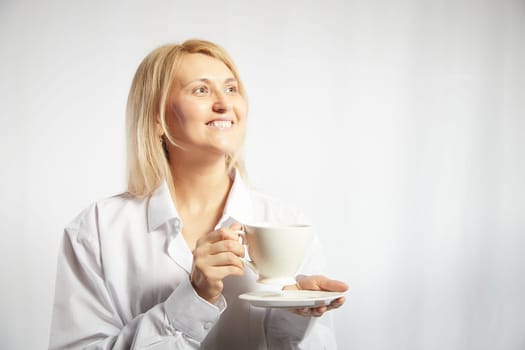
x: 161, y: 208
x: 238, y: 205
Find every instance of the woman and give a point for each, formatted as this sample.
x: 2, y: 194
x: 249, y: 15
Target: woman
x: 159, y: 266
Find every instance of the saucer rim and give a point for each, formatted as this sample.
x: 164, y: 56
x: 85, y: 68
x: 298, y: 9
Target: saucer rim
x: 271, y: 299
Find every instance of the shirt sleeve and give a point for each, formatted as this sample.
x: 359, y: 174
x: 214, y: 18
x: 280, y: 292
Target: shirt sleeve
x: 288, y: 331
x: 85, y: 316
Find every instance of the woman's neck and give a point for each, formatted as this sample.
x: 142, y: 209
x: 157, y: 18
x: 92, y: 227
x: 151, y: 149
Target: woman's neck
x: 200, y: 192
x: 200, y: 185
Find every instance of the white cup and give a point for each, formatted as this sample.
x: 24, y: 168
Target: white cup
x: 276, y: 251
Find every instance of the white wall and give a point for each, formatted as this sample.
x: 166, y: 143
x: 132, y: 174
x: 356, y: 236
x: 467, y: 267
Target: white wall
x: 398, y: 126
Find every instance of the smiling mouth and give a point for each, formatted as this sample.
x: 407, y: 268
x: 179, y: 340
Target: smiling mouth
x: 220, y: 124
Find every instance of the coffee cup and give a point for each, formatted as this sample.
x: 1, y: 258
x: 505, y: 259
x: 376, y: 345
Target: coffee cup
x: 276, y: 252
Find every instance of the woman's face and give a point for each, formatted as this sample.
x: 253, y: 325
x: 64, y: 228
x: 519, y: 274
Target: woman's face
x: 205, y: 111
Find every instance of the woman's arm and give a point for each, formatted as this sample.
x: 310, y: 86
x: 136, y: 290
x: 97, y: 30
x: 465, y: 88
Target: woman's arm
x: 85, y: 315
x: 307, y: 328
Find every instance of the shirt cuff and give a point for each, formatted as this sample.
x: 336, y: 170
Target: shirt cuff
x: 190, y: 314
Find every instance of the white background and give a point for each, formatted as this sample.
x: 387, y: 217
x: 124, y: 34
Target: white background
x: 398, y: 126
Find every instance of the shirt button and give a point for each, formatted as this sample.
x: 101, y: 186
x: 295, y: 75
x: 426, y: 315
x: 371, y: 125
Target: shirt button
x: 176, y: 224
x: 207, y: 325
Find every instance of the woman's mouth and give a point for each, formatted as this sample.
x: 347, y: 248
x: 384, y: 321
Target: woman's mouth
x: 220, y: 124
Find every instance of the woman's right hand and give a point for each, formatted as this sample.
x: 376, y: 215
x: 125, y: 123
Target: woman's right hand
x: 216, y: 256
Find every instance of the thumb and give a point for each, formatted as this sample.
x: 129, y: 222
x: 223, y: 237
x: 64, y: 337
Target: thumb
x: 319, y: 282
x: 333, y: 285
x: 236, y: 226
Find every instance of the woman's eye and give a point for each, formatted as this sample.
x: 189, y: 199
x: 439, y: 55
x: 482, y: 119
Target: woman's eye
x: 231, y: 89
x: 201, y: 90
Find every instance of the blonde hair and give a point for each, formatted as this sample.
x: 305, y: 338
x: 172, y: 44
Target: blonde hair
x: 147, y: 159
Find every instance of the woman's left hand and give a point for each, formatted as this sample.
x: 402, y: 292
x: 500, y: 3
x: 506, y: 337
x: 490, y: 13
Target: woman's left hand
x: 321, y: 283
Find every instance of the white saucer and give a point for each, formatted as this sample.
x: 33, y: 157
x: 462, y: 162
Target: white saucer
x: 290, y: 299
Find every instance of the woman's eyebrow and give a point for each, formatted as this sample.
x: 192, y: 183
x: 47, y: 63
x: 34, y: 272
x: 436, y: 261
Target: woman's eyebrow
x: 209, y: 81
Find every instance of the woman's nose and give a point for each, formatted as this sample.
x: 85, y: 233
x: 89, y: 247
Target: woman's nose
x: 221, y: 104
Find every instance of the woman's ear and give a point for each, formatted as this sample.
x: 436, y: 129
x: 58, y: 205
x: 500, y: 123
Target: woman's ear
x: 159, y: 129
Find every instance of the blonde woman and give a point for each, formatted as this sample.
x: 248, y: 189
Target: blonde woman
x: 159, y: 266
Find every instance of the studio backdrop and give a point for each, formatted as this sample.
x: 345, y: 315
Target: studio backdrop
x: 398, y: 127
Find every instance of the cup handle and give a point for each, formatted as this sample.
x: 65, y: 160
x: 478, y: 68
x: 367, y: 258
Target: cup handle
x: 242, y: 240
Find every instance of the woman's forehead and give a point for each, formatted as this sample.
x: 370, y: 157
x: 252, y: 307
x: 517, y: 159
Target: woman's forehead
x: 197, y: 66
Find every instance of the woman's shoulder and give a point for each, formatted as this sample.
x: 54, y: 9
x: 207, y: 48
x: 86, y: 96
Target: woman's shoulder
x: 104, y: 210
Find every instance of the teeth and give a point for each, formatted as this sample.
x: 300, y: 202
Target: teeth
x: 221, y: 124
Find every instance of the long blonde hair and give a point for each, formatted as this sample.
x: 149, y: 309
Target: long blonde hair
x: 147, y: 161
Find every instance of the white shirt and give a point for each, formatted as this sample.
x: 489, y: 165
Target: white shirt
x: 123, y: 282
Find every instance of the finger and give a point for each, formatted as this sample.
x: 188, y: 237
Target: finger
x: 225, y: 259
x: 310, y: 312
x: 235, y: 226
x: 333, y: 285
x: 228, y: 245
x: 309, y: 282
x: 319, y: 311
x: 301, y: 312
x: 336, y: 303
x: 318, y: 282
x: 210, y: 275
x: 221, y: 272
x: 220, y: 234
x: 292, y: 287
